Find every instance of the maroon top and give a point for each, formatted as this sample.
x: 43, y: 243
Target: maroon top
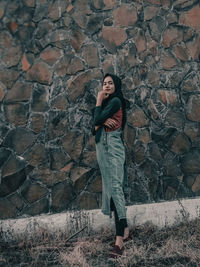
x: 118, y: 118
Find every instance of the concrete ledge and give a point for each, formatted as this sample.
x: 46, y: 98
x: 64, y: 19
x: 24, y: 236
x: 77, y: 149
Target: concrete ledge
x: 160, y: 214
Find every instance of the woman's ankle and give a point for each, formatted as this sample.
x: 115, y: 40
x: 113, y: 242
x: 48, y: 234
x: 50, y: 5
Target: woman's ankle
x: 126, y: 233
x: 119, y: 241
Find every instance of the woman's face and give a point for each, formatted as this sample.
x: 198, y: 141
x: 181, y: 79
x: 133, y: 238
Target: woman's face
x: 108, y: 85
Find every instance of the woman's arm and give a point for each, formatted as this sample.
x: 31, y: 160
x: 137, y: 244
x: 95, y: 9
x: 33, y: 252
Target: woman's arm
x: 101, y: 115
x: 110, y: 123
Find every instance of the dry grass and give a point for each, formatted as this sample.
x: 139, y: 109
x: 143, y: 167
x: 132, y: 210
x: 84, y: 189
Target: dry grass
x: 175, y: 246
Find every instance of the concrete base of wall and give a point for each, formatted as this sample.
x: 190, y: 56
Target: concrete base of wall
x: 160, y: 214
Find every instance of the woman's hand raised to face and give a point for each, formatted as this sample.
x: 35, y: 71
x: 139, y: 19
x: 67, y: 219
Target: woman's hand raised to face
x: 101, y: 96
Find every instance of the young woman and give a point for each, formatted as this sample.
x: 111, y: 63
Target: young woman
x: 109, y: 120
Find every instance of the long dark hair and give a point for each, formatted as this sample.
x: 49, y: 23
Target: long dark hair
x: 117, y: 93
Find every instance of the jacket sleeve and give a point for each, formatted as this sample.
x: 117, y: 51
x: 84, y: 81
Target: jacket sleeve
x: 101, y: 115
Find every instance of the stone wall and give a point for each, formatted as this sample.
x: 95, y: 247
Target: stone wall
x: 53, y: 55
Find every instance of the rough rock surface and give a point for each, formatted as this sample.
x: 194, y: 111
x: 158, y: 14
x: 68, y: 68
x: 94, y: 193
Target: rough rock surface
x: 53, y: 55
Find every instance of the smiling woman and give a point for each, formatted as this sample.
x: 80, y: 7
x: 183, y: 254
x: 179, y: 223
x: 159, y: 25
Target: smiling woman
x: 108, y: 85
x: 109, y: 120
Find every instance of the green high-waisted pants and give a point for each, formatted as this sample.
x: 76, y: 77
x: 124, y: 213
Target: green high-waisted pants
x: 111, y: 157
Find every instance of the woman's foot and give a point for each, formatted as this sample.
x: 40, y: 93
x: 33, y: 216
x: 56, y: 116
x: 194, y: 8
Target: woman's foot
x: 116, y: 252
x: 118, y: 248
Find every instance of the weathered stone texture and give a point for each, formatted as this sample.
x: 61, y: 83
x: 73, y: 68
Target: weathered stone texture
x: 127, y: 59
x: 172, y: 36
x: 138, y: 118
x: 180, y: 144
x: 191, y: 18
x: 196, y: 185
x: 12, y: 164
x: 30, y: 3
x: 2, y: 10
x: 109, y: 4
x: 44, y: 27
x: 194, y: 48
x: 129, y: 136
x: 25, y: 63
x: 150, y: 12
x: 16, y: 200
x: 181, y: 52
x: 96, y: 185
x: 7, y: 209
x: 53, y: 55
x: 125, y: 15
x: 40, y: 99
x: 77, y: 39
x: 153, y: 78
x: 167, y: 97
x: 2, y: 91
x: 144, y: 136
x: 62, y: 196
x: 38, y: 207
x: 87, y: 201
x: 8, y: 77
x: 37, y: 122
x: 190, y: 162
x: 4, y: 155
x: 36, y: 155
x: 89, y: 159
x: 12, y: 182
x: 56, y: 127
x: 172, y: 17
x: 12, y: 56
x: 40, y: 72
x: 140, y: 41
x: 193, y: 109
x: 33, y: 192
x: 47, y: 176
x: 79, y: 177
x: 168, y: 61
x: 113, y: 37
x: 138, y: 153
x: 60, y: 102
x: 19, y: 140
x: 175, y: 118
x: 69, y: 65
x: 20, y: 92
x: 58, y: 159
x: 90, y: 54
x: 191, y: 131
x: 72, y: 143
x: 76, y: 86
x: 16, y: 113
x: 56, y: 9
x: 5, y: 40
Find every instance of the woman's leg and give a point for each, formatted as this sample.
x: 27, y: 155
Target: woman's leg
x: 122, y: 230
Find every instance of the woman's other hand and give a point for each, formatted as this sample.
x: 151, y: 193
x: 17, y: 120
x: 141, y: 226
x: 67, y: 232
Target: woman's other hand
x: 110, y: 123
x: 96, y: 128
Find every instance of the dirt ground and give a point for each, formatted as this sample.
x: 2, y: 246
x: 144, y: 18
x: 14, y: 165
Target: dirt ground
x: 152, y: 247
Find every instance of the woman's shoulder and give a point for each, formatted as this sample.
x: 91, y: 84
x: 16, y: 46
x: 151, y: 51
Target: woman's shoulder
x: 116, y: 101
